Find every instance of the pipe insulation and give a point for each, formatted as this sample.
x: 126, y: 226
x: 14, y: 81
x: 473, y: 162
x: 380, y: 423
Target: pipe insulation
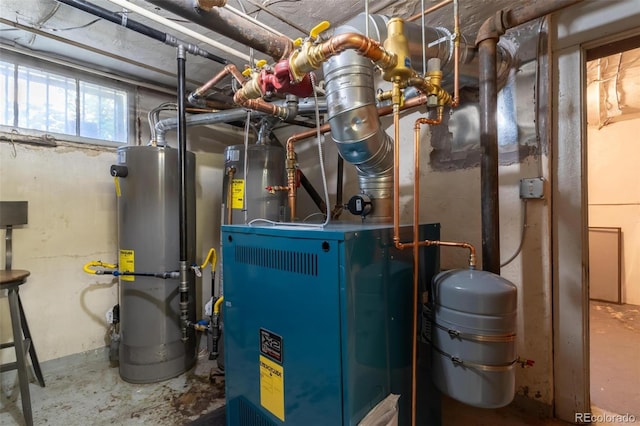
x: 230, y: 25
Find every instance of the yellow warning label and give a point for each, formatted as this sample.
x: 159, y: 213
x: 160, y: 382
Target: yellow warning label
x: 117, y: 183
x: 237, y: 194
x: 127, y: 264
x: 272, y: 387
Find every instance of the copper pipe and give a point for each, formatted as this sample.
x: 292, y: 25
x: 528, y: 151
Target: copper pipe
x: 468, y: 246
x: 456, y: 55
x: 291, y: 163
x: 262, y: 106
x: 396, y: 176
x: 311, y: 56
x: 202, y: 90
x: 416, y: 244
x: 429, y: 10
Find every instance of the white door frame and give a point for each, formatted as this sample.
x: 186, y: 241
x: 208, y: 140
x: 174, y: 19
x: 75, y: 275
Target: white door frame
x: 585, y: 25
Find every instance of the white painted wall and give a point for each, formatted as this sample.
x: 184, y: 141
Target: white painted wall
x: 614, y: 193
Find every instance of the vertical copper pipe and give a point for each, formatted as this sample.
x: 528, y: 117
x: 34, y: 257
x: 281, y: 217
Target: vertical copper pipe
x: 291, y: 158
x: 456, y: 55
x: 416, y: 252
x: 396, y: 174
x: 416, y: 269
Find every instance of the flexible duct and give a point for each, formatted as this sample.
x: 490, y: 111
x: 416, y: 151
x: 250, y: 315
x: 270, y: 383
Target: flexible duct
x: 352, y: 110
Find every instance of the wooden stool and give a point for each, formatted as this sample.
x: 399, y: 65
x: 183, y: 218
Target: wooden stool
x: 11, y: 281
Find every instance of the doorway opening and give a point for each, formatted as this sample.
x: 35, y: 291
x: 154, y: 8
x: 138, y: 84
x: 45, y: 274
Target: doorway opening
x: 613, y: 153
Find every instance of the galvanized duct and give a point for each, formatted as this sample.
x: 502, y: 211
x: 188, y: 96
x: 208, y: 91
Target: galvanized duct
x: 352, y: 110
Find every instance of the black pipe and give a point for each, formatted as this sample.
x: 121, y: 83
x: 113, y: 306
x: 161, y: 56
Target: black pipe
x: 182, y: 194
x: 317, y: 199
x: 339, y: 185
x: 141, y: 28
x: 182, y: 152
x: 490, y: 206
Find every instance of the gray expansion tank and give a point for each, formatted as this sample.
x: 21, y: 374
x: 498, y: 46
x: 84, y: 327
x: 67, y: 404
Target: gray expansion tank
x: 471, y: 319
x: 151, y: 348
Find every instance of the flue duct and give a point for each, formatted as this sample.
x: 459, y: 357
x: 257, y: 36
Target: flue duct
x: 352, y: 109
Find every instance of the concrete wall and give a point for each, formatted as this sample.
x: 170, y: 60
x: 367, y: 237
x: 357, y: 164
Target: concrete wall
x: 72, y: 220
x: 614, y: 193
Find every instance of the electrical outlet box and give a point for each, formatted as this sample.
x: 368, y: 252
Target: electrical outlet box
x: 532, y: 188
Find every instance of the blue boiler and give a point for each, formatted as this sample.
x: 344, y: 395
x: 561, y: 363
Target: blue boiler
x: 318, y: 322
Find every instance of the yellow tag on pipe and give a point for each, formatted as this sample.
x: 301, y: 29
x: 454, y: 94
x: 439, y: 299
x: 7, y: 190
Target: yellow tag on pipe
x: 117, y: 183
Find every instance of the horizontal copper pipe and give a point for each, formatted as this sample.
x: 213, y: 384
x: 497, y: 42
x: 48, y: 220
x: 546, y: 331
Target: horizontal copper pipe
x: 429, y: 10
x: 312, y: 56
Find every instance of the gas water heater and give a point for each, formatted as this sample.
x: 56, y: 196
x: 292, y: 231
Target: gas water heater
x: 151, y: 348
x: 245, y: 182
x: 318, y: 322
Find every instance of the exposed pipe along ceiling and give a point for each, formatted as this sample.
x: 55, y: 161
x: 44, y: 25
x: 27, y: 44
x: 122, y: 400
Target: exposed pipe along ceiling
x: 370, y: 66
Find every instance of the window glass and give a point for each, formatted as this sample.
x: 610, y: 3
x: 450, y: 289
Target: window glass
x: 56, y: 103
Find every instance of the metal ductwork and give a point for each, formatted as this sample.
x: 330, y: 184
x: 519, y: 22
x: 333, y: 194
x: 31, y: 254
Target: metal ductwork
x: 352, y: 110
x: 230, y: 25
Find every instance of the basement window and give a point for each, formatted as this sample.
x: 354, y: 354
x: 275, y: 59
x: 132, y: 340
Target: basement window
x: 62, y: 104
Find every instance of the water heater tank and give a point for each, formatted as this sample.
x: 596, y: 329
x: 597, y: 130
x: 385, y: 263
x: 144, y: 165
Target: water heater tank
x: 265, y: 167
x: 151, y: 348
x: 471, y: 319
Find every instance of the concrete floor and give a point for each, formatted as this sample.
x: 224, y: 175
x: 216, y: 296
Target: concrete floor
x: 615, y: 367
x: 83, y: 389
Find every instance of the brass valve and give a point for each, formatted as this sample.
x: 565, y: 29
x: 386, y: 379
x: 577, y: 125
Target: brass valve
x: 397, y: 43
x: 318, y: 29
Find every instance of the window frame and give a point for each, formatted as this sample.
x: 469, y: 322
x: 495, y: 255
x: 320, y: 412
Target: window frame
x: 19, y: 134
